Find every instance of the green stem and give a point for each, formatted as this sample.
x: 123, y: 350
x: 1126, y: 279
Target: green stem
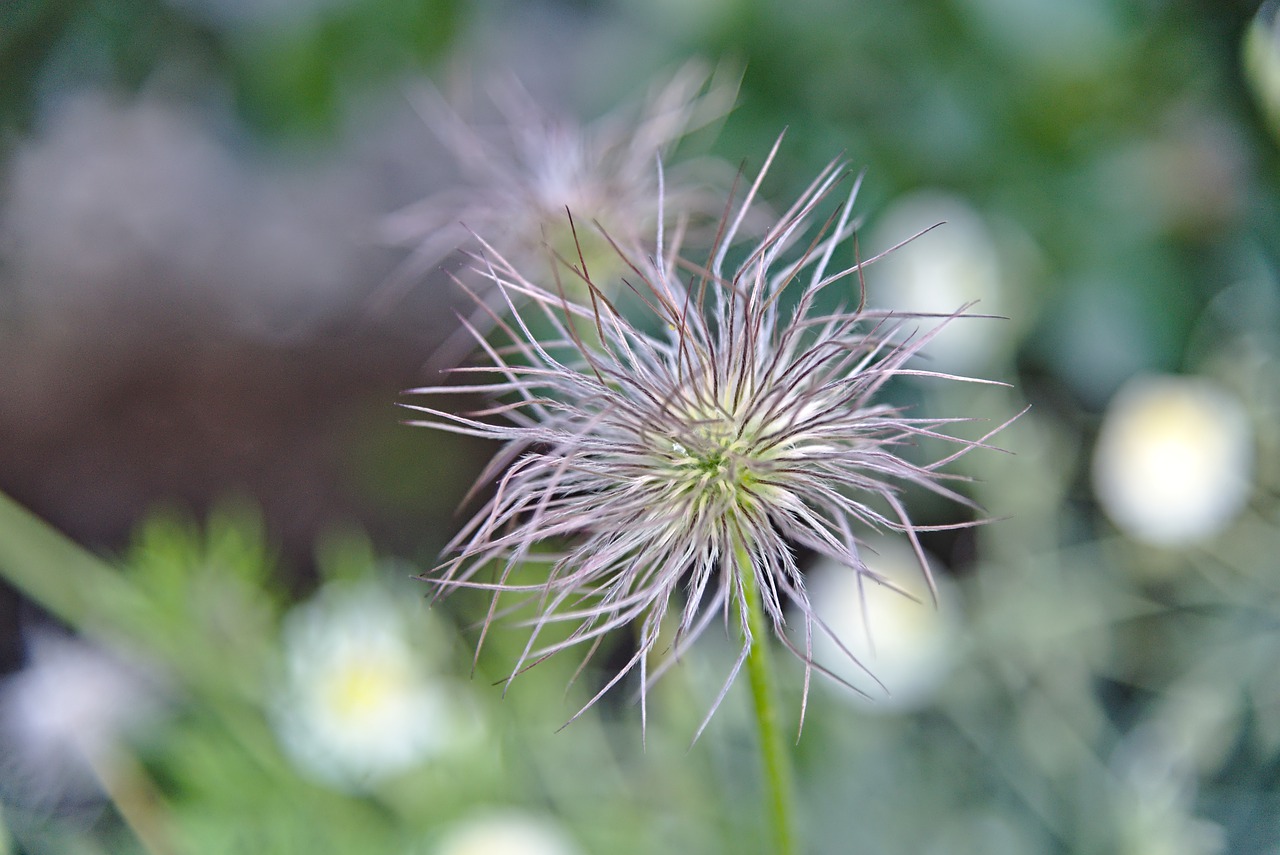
x: 777, y: 764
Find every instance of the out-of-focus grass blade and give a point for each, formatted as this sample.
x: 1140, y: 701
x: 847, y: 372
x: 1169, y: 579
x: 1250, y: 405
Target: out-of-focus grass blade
x: 64, y: 578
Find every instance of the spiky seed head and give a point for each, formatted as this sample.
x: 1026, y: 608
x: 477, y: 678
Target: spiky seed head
x: 519, y: 178
x: 654, y: 465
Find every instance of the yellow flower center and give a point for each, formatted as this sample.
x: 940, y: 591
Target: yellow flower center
x: 362, y: 687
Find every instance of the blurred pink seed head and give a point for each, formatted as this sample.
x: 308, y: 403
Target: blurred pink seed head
x: 519, y: 180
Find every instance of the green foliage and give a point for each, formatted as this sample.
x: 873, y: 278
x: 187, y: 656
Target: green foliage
x: 289, y: 77
x: 203, y: 609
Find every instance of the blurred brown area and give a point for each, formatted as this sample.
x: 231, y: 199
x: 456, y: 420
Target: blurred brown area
x: 182, y: 320
x: 102, y: 425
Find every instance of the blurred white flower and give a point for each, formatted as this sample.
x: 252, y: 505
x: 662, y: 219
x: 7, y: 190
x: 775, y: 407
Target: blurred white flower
x: 906, y: 646
x: 64, y: 716
x: 1261, y: 55
x: 360, y: 701
x: 1173, y: 460
x: 506, y: 833
x: 953, y: 265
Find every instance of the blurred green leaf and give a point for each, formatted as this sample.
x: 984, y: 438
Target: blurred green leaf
x: 294, y: 81
x: 63, y: 578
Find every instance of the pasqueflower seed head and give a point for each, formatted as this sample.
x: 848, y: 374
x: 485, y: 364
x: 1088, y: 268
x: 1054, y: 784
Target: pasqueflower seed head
x: 662, y: 472
x: 519, y: 177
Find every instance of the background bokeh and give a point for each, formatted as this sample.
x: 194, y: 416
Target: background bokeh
x: 199, y: 369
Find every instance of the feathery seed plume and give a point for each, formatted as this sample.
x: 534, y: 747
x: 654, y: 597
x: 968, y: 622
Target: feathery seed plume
x: 675, y: 472
x: 520, y: 177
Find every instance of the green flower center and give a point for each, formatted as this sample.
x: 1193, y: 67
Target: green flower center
x: 716, y: 466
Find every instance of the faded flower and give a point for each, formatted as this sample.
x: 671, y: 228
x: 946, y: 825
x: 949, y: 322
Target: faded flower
x: 520, y: 178
x: 959, y: 263
x: 674, y: 468
x: 66, y: 717
x: 911, y: 649
x: 1174, y: 459
x: 505, y: 832
x: 359, y: 700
